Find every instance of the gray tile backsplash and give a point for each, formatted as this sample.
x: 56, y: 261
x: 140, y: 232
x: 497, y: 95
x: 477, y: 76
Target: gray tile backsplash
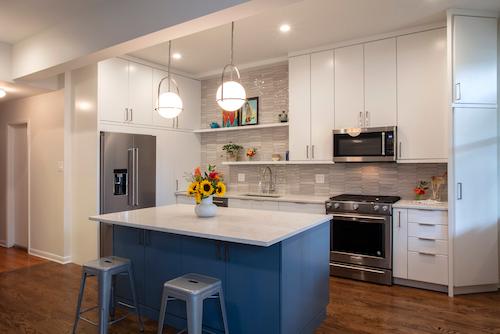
x: 271, y: 85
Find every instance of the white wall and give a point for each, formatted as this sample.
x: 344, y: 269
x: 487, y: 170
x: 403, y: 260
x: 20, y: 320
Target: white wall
x: 45, y: 116
x: 5, y: 62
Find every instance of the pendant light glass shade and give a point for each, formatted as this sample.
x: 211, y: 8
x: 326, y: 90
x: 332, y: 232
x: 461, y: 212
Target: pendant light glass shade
x: 169, y: 103
x: 231, y: 94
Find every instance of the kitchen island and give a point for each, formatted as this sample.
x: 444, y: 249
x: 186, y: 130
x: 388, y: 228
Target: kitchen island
x: 274, y: 266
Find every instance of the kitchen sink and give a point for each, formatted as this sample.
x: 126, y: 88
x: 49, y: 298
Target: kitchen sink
x: 263, y: 195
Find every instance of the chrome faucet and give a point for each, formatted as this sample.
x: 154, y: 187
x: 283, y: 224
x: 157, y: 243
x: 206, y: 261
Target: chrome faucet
x: 271, y: 186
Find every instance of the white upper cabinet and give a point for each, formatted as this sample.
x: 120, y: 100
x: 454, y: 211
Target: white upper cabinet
x: 140, y: 94
x: 322, y: 105
x: 299, y: 107
x: 422, y: 101
x: 380, y: 83
x: 113, y: 90
x: 349, y: 91
x: 474, y: 60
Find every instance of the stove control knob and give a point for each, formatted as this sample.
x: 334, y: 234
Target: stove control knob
x: 385, y: 207
x: 336, y: 205
x: 376, y: 207
x: 355, y: 206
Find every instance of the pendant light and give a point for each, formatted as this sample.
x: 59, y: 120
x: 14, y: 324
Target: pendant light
x: 231, y: 95
x: 169, y: 103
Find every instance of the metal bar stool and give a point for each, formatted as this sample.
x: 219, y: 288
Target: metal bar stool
x: 193, y: 289
x: 106, y: 269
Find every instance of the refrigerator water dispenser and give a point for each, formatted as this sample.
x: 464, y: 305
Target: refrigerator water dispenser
x: 120, y: 182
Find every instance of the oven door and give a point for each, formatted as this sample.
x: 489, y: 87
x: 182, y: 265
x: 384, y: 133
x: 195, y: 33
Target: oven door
x: 361, y: 240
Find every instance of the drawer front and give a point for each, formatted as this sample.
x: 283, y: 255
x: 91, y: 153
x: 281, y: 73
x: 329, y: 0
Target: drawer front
x: 428, y: 245
x: 428, y: 268
x: 302, y: 207
x: 428, y: 216
x: 253, y: 204
x: 240, y: 203
x: 420, y: 230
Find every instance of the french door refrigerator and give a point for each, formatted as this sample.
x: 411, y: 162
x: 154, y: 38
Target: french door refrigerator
x: 127, y: 177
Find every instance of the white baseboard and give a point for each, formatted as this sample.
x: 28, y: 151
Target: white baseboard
x: 463, y: 290
x: 3, y: 243
x: 50, y: 256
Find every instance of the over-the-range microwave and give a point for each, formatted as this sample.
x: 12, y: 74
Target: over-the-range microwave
x: 365, y: 144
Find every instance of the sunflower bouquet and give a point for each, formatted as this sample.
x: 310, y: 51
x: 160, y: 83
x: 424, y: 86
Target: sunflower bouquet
x: 206, y: 184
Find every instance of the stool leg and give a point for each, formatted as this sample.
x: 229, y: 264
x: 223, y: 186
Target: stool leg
x: 104, y: 297
x: 223, y: 310
x: 79, y: 302
x: 134, y: 297
x: 194, y: 308
x: 163, y: 310
x: 112, y: 302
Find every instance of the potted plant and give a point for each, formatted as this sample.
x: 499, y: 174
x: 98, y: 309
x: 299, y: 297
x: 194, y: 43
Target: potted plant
x: 420, y: 189
x: 251, y: 152
x: 232, y: 151
x: 203, y: 186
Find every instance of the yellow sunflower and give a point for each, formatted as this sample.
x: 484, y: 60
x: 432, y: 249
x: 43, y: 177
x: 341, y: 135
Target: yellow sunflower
x: 221, y: 189
x: 197, y: 198
x: 206, y: 188
x: 193, y: 188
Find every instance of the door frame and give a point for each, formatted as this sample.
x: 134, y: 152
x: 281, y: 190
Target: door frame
x: 10, y: 226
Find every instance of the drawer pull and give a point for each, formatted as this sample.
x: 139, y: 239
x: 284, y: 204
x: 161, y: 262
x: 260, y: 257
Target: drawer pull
x: 426, y: 224
x: 427, y: 254
x: 427, y: 239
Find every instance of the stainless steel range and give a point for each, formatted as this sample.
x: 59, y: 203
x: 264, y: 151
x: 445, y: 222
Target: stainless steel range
x: 361, y: 237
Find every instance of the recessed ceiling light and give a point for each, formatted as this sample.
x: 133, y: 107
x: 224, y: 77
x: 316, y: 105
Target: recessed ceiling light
x: 2, y: 93
x: 285, y: 28
x: 177, y: 55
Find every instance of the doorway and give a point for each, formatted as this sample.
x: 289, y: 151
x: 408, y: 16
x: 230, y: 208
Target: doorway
x: 18, y: 186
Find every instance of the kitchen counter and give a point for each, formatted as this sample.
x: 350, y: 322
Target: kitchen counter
x: 252, y: 227
x: 422, y: 205
x: 306, y: 199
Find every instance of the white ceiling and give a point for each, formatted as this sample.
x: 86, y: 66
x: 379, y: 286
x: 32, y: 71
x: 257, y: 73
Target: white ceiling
x: 314, y: 23
x: 20, y: 19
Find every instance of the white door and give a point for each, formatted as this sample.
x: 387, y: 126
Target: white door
x: 113, y: 90
x: 400, y: 243
x: 157, y: 119
x: 475, y: 163
x: 380, y: 83
x: 349, y: 94
x: 140, y: 94
x: 300, y: 108
x: 474, y: 59
x: 322, y: 106
x: 422, y: 99
x: 20, y: 184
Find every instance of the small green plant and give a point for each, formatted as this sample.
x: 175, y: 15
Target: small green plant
x: 232, y: 148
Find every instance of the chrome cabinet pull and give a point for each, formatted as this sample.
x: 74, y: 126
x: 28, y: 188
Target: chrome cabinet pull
x: 307, y: 151
x: 426, y: 224
x: 136, y: 177
x: 458, y: 92
x: 383, y: 143
x: 131, y: 115
x: 427, y: 239
x: 400, y: 149
x: 313, y: 151
x: 130, y: 177
x: 399, y: 219
x: 367, y: 119
x: 426, y: 254
x: 459, y: 190
x: 360, y: 119
x: 126, y: 114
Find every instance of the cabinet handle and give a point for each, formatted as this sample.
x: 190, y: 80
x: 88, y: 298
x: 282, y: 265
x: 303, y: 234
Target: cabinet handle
x: 217, y: 252
x: 131, y: 115
x: 383, y: 143
x: 312, y: 151
x: 459, y: 190
x: 426, y: 254
x: 426, y: 224
x: 400, y: 149
x: 360, y: 119
x: 226, y: 252
x: 177, y: 185
x: 458, y: 91
x: 399, y: 219
x: 126, y: 114
x: 307, y: 151
x: 367, y: 119
x: 427, y: 239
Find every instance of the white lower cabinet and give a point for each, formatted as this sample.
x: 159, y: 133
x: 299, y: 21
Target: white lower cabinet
x: 420, y: 245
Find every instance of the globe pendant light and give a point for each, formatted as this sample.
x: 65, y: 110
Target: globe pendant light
x: 169, y: 103
x: 231, y: 95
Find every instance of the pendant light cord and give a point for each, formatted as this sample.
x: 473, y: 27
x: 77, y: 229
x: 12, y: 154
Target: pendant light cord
x: 169, y: 60
x: 231, y: 60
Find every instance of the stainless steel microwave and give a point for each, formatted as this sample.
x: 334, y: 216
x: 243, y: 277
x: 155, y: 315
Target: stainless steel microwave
x: 365, y: 144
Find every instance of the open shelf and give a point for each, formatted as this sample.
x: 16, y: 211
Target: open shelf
x: 248, y: 127
x: 281, y: 162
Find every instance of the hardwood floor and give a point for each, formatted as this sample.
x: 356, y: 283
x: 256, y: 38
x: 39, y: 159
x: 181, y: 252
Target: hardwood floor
x: 41, y: 299
x: 16, y: 258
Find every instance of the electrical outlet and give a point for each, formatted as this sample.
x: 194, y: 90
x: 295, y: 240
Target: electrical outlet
x: 60, y: 166
x: 320, y: 178
x: 241, y: 177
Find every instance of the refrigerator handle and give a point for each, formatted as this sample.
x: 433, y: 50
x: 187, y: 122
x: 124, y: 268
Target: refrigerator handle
x: 131, y: 177
x: 136, y: 176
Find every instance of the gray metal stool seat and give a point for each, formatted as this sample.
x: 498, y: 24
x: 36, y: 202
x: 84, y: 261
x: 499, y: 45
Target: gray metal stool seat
x: 193, y: 289
x: 105, y: 269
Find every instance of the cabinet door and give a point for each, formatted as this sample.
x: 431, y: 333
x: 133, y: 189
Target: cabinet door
x: 349, y: 94
x: 206, y: 257
x: 140, y: 94
x: 400, y: 243
x: 300, y: 107
x: 474, y: 59
x: 113, y: 90
x: 129, y: 243
x: 422, y: 103
x: 380, y: 83
x: 190, y: 92
x: 476, y: 167
x: 322, y: 105
x: 253, y: 279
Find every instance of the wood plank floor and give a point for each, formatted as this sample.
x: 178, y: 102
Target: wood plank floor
x: 42, y: 298
x: 16, y: 258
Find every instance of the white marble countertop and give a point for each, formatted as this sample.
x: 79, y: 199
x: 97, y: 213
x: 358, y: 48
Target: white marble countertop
x: 422, y: 205
x: 252, y: 227
x: 307, y: 199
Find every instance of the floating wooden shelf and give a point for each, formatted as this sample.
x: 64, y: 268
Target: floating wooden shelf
x: 248, y: 127
x: 281, y: 162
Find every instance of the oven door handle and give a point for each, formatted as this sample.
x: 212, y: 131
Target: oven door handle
x: 361, y: 218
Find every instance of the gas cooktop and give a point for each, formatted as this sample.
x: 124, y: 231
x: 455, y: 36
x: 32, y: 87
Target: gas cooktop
x: 365, y: 198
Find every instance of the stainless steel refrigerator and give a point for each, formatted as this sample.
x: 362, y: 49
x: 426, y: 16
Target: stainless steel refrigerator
x: 128, y: 177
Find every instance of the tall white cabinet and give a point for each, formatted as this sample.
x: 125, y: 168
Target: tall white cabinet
x: 473, y: 180
x: 311, y: 85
